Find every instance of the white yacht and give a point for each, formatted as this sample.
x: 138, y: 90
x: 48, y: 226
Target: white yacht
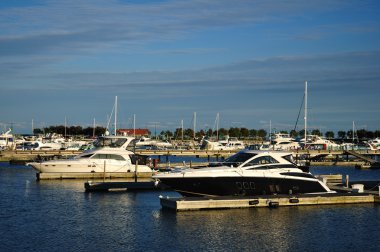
x: 284, y: 142
x: 149, y: 143
x: 248, y: 173
x: 110, y: 154
x: 227, y: 144
x: 374, y: 143
x: 6, y: 140
x: 315, y: 142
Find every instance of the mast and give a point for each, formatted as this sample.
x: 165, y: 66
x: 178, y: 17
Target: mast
x: 65, y: 126
x: 93, y: 129
x: 353, y: 131
x: 195, y: 123
x: 32, y: 126
x: 182, y: 131
x: 134, y: 125
x: 270, y: 131
x: 115, y: 115
x: 217, y: 126
x: 305, y: 111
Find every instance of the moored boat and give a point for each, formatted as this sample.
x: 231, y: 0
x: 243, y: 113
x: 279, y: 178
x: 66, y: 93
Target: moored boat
x: 110, y: 154
x: 246, y: 173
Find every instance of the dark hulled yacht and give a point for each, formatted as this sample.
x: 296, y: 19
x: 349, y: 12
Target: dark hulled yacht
x: 246, y: 173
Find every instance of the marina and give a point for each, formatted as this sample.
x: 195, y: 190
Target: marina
x: 189, y: 126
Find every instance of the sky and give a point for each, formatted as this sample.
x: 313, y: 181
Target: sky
x: 164, y: 60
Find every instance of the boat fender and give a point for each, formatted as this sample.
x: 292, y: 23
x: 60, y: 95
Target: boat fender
x: 272, y: 204
x: 253, y: 202
x: 294, y: 200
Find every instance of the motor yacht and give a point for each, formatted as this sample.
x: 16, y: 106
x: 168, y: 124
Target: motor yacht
x: 110, y: 154
x: 315, y: 142
x: 229, y: 144
x: 6, y: 140
x: 284, y: 142
x: 247, y: 173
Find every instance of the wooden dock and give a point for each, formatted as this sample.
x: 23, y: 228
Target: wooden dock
x: 32, y: 155
x: 273, y: 201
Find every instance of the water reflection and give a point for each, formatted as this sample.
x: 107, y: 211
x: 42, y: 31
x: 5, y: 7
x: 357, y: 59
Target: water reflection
x: 58, y: 215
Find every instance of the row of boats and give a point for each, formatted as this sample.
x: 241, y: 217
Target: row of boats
x: 279, y: 141
x: 57, y: 142
x: 285, y: 142
x: 248, y: 172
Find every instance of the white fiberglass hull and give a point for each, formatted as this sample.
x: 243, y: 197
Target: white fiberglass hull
x: 80, y: 166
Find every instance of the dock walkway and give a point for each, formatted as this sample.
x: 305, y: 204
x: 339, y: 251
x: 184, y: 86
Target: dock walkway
x: 200, y: 203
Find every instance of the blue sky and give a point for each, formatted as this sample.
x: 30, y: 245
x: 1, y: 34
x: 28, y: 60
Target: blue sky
x: 165, y: 60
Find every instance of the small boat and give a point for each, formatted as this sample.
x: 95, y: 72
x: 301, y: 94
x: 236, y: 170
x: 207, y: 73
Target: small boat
x: 110, y: 154
x: 247, y: 173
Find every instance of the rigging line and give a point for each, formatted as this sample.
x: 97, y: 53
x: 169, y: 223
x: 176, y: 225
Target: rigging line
x: 299, y: 112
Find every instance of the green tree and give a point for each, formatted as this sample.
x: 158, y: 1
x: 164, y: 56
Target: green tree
x: 316, y: 132
x: 234, y: 132
x: 341, y: 134
x: 329, y: 134
x: 244, y: 132
x: 189, y: 133
x: 262, y: 133
x: 252, y: 133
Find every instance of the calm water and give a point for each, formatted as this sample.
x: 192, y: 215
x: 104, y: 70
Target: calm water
x: 60, y: 216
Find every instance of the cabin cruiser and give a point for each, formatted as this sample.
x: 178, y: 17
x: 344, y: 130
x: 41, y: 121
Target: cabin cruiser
x: 110, y: 154
x: 6, y: 140
x: 374, y: 143
x: 285, y: 142
x: 229, y: 144
x: 145, y: 142
x: 315, y: 142
x: 247, y: 173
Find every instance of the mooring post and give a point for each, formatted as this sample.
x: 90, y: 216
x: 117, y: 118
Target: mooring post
x: 347, y: 180
x: 136, y: 166
x: 104, y: 171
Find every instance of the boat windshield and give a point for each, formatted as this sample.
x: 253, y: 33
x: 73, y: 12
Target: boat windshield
x: 238, y: 159
x: 110, y: 142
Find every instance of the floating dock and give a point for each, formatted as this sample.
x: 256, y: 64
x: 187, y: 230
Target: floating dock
x: 119, y: 186
x: 272, y: 201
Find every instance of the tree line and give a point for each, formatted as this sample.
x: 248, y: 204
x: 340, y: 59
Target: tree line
x: 241, y: 133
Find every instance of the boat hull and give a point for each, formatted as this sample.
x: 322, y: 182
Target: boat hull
x: 242, y: 186
x: 71, y: 167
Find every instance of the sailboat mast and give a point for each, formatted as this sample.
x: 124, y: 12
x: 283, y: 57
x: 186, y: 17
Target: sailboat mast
x: 115, y: 115
x: 65, y: 126
x: 217, y: 126
x: 305, y: 111
x: 195, y: 123
x: 93, y: 129
x: 134, y: 125
x: 181, y: 131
